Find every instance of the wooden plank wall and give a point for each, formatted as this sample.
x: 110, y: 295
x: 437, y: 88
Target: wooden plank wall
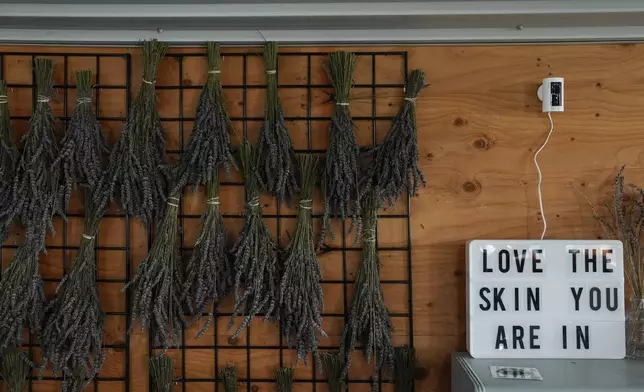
x: 479, y: 125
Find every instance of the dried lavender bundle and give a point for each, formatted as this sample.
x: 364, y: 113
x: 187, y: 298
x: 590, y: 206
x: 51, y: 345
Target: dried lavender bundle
x: 134, y: 174
x: 285, y: 377
x: 73, y: 383
x: 395, y: 169
x: 73, y: 333
x: 256, y: 284
x: 36, y: 190
x: 161, y: 373
x: 83, y: 148
x: 209, y: 272
x: 158, y: 283
x: 277, y: 166
x: 340, y: 182
x: 369, y: 321
x: 22, y: 296
x: 333, y: 366
x: 229, y: 378
x: 405, y: 369
x: 209, y: 146
x: 15, y: 368
x: 301, y: 299
x: 8, y: 158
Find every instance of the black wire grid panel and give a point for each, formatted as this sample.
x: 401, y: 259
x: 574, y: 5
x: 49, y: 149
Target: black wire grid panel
x: 261, y: 348
x: 113, y: 253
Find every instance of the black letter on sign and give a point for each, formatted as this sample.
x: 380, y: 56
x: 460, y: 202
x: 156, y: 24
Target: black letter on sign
x: 576, y: 296
x: 485, y: 268
x: 501, y: 341
x: 583, y: 337
x: 595, y: 298
x: 517, y: 337
x: 606, y: 260
x: 533, y: 298
x: 612, y: 307
x: 482, y: 292
x: 504, y: 261
x: 520, y: 262
x: 564, y: 336
x: 533, y: 337
x: 536, y: 261
x: 516, y: 299
x: 591, y: 260
x: 498, y: 301
x: 574, y: 253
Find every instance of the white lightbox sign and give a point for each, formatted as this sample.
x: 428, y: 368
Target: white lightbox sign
x: 545, y: 299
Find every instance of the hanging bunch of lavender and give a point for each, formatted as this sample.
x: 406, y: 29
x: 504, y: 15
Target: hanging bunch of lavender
x: 161, y: 373
x: 369, y: 320
x: 333, y: 366
x: 340, y: 182
x: 8, y: 158
x: 83, y: 148
x: 405, y: 369
x: 254, y: 253
x: 22, y: 296
x: 301, y: 299
x: 35, y: 199
x: 73, y: 383
x: 15, y: 368
x: 134, y: 174
x: 158, y: 283
x: 36, y: 190
x: 73, y: 333
x: 285, y: 377
x: 277, y: 167
x: 229, y: 378
x: 209, y: 145
x: 209, y: 271
x: 395, y: 169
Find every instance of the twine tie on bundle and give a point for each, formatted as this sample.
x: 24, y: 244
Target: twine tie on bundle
x: 42, y: 98
x: 271, y: 71
x: 254, y: 202
x: 306, y: 201
x: 84, y: 100
x: 88, y: 237
x: 369, y: 235
x: 4, y: 99
x: 410, y: 99
x: 149, y: 82
x: 214, y: 71
x: 342, y: 103
x: 173, y: 204
x: 213, y: 201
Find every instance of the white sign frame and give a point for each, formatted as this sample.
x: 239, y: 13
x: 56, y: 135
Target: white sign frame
x: 545, y: 311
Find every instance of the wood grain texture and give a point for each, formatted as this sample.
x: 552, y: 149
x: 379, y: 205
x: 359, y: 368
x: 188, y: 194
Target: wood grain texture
x: 479, y: 124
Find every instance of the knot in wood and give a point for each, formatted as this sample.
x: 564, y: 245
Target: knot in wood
x: 472, y: 186
x: 459, y: 122
x: 421, y: 373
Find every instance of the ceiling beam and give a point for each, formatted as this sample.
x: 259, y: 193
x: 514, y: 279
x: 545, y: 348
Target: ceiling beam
x: 467, y: 21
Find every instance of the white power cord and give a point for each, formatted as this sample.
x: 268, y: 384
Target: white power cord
x: 543, y: 214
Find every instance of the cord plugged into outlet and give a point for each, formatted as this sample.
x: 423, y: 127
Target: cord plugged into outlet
x: 551, y: 94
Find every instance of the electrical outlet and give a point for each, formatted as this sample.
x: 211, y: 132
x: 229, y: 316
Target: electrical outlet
x: 515, y: 373
x: 551, y: 93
